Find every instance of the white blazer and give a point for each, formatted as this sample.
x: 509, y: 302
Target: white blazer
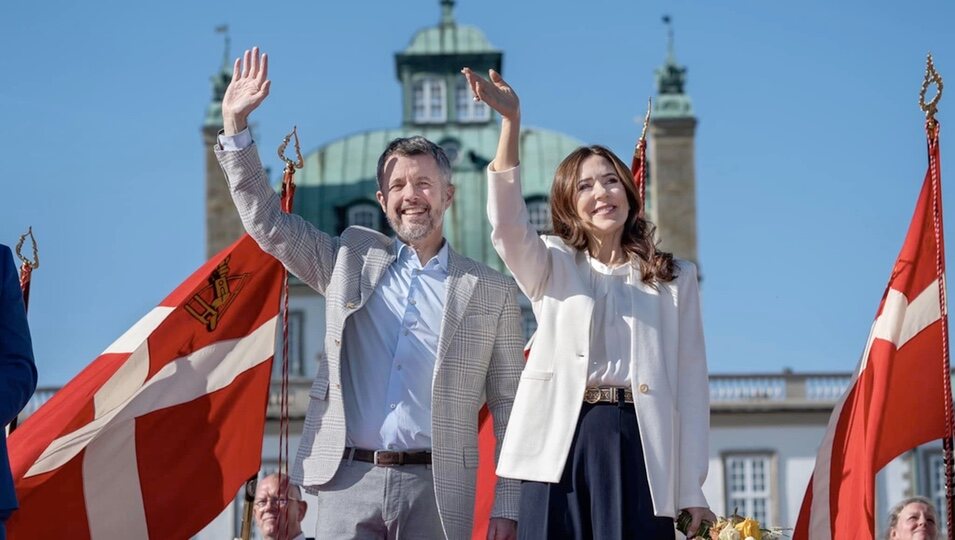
x: 667, y: 364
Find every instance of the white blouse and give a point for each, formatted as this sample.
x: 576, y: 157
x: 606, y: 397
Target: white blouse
x: 612, y: 326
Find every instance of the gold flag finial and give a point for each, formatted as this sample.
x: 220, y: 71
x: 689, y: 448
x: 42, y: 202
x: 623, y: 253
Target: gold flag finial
x: 931, y: 76
x: 646, y: 121
x: 35, y: 263
x: 289, y: 164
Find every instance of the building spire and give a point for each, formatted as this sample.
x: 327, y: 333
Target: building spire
x: 220, y: 81
x: 672, y: 100
x: 447, y: 12
x: 671, y: 55
x: 226, y: 58
x: 671, y: 77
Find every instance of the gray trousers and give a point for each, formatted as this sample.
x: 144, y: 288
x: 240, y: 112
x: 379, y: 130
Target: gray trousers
x: 365, y: 502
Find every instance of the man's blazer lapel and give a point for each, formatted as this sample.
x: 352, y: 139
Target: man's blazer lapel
x: 461, y: 284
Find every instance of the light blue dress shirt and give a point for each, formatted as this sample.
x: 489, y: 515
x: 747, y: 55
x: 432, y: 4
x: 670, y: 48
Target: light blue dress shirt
x: 389, y: 348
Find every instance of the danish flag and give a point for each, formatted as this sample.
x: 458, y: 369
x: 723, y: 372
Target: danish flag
x: 157, y: 435
x: 900, y: 395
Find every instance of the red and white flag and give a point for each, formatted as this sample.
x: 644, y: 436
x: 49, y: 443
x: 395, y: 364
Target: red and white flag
x: 899, y: 396
x: 156, y: 436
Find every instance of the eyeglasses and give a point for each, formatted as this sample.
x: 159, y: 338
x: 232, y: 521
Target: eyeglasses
x: 269, y: 501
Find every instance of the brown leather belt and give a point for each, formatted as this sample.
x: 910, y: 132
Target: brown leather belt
x: 388, y: 458
x: 594, y: 395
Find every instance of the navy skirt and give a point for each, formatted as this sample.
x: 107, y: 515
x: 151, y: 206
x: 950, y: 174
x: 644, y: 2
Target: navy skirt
x: 603, y: 493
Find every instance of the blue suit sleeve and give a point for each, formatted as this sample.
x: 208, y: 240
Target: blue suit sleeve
x: 17, y: 368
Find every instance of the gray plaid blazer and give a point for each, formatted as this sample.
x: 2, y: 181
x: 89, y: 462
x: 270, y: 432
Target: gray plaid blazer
x: 479, y: 359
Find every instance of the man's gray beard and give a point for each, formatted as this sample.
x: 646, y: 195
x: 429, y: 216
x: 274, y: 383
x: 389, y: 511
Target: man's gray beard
x: 411, y: 232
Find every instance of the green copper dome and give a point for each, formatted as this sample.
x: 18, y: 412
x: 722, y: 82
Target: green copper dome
x: 449, y: 37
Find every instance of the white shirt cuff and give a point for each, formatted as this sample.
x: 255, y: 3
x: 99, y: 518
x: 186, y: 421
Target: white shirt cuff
x: 239, y: 141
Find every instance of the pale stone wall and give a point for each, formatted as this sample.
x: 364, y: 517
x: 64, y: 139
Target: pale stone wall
x: 222, y: 219
x: 672, y: 188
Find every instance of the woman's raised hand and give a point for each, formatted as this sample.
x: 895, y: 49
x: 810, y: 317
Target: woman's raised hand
x: 248, y: 88
x: 496, y: 93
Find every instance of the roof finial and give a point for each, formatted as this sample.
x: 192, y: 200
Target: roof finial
x: 226, y: 58
x: 671, y: 55
x: 447, y: 12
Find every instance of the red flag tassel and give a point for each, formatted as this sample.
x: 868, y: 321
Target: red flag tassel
x: 25, y: 273
x: 638, y: 167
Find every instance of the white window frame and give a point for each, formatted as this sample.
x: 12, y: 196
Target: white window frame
x: 356, y: 214
x: 935, y: 488
x: 429, y: 102
x: 466, y: 109
x: 743, y: 489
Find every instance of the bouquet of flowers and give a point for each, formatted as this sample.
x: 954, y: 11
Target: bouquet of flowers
x: 734, y: 527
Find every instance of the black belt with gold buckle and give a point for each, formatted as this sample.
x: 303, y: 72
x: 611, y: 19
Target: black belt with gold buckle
x: 388, y: 458
x: 594, y: 395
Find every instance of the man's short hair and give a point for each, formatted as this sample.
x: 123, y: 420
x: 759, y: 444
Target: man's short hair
x: 414, y: 146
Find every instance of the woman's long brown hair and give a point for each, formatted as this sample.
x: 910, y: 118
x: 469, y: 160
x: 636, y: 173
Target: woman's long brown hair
x: 637, y: 236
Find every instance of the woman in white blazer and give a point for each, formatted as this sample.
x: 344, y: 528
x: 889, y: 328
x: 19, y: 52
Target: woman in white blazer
x: 609, y: 428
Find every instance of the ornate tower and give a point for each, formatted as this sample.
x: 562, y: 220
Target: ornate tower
x: 672, y: 185
x: 222, y: 220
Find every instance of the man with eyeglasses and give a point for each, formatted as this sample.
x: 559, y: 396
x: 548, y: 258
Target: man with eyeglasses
x: 271, y: 498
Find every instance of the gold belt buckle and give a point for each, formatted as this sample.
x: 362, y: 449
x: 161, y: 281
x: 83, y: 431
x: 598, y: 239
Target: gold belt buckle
x: 592, y: 395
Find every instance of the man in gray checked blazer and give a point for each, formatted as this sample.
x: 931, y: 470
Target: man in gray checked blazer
x: 417, y: 339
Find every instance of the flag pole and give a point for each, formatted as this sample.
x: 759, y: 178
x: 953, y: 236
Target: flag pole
x: 932, y: 128
x: 27, y: 266
x: 288, y: 196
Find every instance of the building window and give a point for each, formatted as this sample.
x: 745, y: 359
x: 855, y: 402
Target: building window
x: 466, y: 109
x: 364, y: 214
x: 749, y: 479
x: 428, y: 101
x: 538, y: 211
x: 935, y: 468
x: 452, y: 149
x: 296, y: 354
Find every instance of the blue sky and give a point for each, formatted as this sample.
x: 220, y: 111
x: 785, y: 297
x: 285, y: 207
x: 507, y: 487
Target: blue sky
x: 810, y: 146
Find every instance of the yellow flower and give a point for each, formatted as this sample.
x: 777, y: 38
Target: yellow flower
x: 749, y: 528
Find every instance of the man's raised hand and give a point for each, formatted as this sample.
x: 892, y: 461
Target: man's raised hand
x: 249, y: 87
